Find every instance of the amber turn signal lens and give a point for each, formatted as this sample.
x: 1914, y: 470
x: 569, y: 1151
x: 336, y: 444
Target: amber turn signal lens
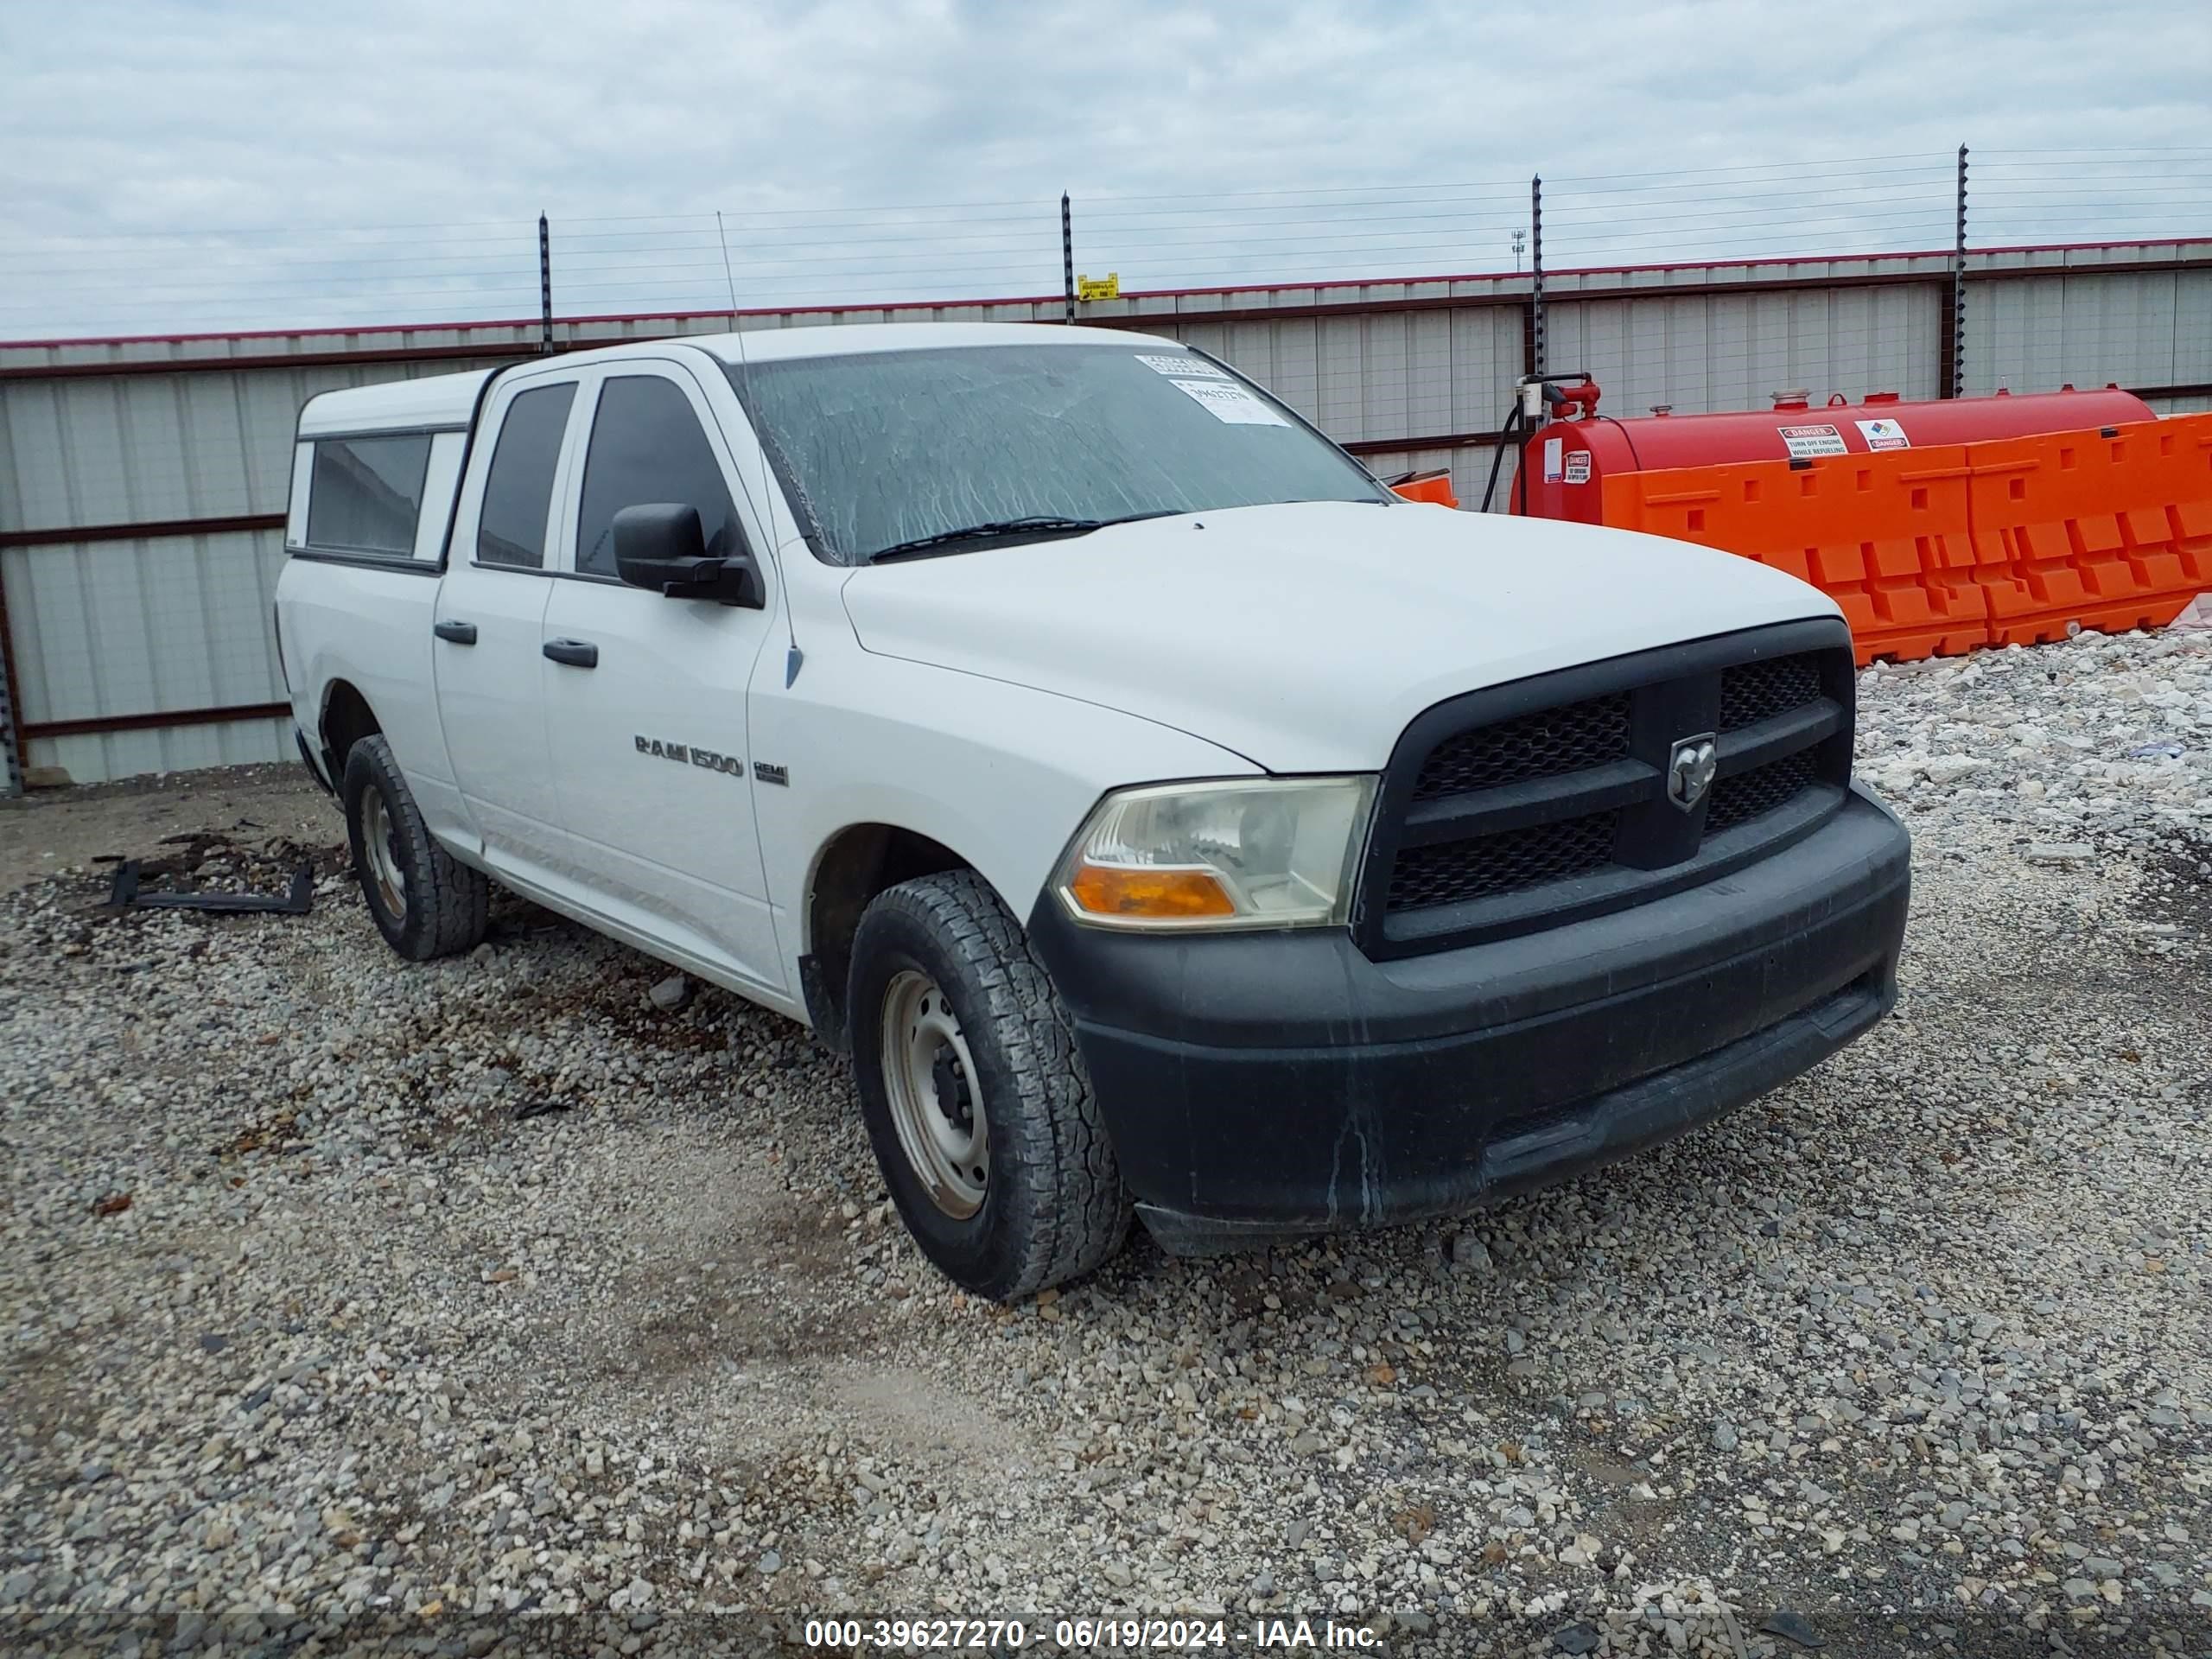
x: 1162, y: 894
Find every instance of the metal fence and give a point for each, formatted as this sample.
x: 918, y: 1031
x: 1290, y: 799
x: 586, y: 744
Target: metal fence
x: 143, y: 479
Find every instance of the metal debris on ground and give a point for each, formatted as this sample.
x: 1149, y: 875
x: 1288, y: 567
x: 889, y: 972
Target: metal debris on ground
x: 213, y: 872
x: 298, y: 899
x: 1792, y: 1627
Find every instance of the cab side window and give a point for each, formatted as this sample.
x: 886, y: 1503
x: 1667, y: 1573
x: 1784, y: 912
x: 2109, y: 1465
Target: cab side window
x: 647, y: 445
x: 519, y: 491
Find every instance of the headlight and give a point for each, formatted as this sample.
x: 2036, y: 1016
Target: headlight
x: 1263, y: 853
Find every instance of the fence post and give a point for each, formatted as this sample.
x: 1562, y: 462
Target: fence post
x: 11, y: 752
x: 1067, y: 253
x: 1537, y: 364
x: 1958, y: 289
x: 544, y: 285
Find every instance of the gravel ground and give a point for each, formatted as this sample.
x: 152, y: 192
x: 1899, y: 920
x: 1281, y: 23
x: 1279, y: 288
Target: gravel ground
x: 354, y: 1306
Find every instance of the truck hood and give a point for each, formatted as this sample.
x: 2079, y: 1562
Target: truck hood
x: 1305, y: 636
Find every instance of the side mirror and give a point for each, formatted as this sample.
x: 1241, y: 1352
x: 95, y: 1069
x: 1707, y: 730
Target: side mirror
x: 661, y: 546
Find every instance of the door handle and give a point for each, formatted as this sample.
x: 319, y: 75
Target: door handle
x: 576, y: 653
x: 461, y: 634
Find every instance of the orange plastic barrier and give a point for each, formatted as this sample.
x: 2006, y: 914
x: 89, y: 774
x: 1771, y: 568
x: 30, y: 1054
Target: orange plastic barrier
x: 2111, y: 529
x: 1932, y: 552
x: 1885, y: 535
x: 1433, y: 487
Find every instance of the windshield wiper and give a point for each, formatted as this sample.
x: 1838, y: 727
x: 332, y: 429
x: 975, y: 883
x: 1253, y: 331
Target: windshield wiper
x: 1040, y: 523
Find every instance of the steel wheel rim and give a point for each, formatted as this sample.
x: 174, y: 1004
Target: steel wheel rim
x: 383, y: 856
x: 936, y: 1104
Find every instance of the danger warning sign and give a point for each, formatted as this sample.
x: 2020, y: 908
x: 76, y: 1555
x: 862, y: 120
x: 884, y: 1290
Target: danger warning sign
x: 1805, y: 441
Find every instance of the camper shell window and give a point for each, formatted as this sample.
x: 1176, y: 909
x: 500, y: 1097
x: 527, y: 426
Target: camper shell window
x: 365, y: 493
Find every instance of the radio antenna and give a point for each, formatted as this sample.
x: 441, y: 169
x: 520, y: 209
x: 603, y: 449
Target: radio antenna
x: 794, y: 657
x: 722, y: 236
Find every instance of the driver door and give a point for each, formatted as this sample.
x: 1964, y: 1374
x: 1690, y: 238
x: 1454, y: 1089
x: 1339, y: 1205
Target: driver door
x: 644, y: 696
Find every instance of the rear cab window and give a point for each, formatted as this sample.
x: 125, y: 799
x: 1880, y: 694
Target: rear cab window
x: 518, y: 490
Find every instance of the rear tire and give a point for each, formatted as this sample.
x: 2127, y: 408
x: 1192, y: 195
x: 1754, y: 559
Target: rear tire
x: 976, y: 1101
x: 424, y: 901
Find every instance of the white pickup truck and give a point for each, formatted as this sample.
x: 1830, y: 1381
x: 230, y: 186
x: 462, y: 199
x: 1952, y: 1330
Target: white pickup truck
x: 1164, y: 817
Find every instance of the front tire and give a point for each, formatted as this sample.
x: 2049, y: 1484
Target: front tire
x: 424, y: 901
x: 976, y: 1100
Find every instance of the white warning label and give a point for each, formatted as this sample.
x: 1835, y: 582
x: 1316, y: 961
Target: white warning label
x: 1578, y: 468
x: 1882, y: 434
x: 1227, y: 401
x: 1174, y: 365
x: 1803, y: 441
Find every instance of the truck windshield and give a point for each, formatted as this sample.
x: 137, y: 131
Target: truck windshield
x: 881, y: 450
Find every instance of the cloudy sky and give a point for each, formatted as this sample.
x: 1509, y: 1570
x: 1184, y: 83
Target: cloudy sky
x: 168, y: 164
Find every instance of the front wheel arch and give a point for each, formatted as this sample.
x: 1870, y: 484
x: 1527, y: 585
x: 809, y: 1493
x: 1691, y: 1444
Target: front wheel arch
x: 858, y: 862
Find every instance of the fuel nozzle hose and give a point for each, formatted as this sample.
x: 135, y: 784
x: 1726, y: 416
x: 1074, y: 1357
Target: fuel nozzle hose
x: 1511, y: 424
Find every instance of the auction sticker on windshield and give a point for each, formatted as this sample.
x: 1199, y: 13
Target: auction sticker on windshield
x: 1805, y: 441
x: 1180, y: 365
x: 1227, y: 401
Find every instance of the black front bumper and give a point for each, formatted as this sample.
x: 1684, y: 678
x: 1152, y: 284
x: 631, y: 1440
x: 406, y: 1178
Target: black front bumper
x: 1266, y: 1083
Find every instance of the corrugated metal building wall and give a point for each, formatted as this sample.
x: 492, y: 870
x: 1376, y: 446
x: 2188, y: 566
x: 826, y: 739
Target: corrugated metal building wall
x: 143, y: 483
x: 156, y: 598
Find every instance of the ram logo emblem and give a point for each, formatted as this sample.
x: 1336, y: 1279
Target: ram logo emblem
x: 1690, y: 770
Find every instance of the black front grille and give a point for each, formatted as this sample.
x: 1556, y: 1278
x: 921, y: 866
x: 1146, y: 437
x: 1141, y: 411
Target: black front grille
x: 1752, y: 692
x: 1755, y: 793
x: 1513, y: 859
x: 1548, y: 799
x: 1541, y: 745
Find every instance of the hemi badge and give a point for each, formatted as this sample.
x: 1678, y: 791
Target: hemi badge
x: 768, y: 774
